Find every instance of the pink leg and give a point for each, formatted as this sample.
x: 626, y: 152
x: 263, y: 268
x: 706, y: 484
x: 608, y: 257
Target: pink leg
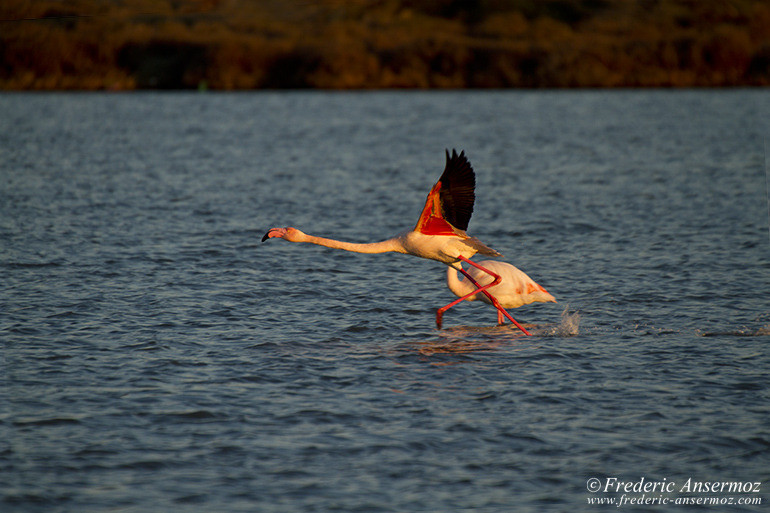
x: 500, y: 310
x: 496, y: 280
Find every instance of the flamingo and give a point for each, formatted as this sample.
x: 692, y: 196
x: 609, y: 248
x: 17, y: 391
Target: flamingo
x: 516, y: 288
x: 438, y: 235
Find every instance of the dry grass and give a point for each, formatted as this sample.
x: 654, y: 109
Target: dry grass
x: 242, y: 44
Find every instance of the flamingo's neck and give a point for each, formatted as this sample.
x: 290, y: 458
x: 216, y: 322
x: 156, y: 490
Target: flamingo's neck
x: 385, y: 246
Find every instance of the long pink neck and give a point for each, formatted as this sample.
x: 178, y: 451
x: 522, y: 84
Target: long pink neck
x: 385, y: 246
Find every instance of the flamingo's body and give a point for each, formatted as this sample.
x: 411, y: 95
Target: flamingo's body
x: 439, y: 233
x: 514, y: 290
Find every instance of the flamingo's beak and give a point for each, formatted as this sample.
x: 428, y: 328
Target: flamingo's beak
x: 267, y: 236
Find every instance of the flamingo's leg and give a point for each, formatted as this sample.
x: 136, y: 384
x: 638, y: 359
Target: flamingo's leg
x: 500, y: 309
x: 496, y: 279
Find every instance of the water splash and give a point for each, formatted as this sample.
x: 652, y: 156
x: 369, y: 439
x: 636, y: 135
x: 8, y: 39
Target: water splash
x: 569, y: 325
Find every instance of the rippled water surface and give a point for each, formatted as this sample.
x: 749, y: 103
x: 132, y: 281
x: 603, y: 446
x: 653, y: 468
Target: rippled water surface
x: 158, y: 357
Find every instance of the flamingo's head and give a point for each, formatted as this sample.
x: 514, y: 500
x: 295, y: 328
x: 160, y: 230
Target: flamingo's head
x: 288, y: 233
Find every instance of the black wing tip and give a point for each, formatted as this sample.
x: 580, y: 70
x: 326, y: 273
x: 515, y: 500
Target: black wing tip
x: 455, y: 156
x: 458, y: 182
x: 455, y: 163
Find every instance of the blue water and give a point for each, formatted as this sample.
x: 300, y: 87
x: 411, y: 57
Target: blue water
x: 158, y: 357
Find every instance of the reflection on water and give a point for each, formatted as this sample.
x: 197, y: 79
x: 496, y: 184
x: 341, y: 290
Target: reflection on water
x: 472, y: 339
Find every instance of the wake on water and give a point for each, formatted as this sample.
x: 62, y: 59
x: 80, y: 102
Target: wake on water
x: 747, y: 332
x: 569, y: 326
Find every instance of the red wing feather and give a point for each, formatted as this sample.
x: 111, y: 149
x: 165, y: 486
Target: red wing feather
x: 449, y: 205
x: 431, y: 220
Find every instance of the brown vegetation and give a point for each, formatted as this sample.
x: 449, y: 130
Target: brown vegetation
x: 242, y: 44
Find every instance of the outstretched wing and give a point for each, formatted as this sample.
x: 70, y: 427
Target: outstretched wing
x: 457, y: 190
x: 449, y: 204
